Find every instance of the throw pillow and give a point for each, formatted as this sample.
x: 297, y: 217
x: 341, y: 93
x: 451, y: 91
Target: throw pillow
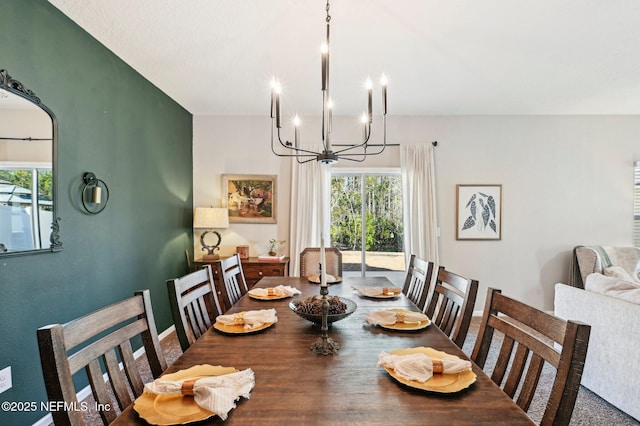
x: 620, y: 273
x: 614, y: 287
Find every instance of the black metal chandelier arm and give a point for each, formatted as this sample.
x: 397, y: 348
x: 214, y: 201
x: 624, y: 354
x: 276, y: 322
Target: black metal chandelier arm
x: 360, y: 160
x: 345, y: 155
x: 313, y: 158
x: 289, y: 145
x: 356, y: 146
x: 273, y: 149
x: 312, y: 155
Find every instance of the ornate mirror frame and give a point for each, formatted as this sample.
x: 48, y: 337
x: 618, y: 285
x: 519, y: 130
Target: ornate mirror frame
x: 11, y: 85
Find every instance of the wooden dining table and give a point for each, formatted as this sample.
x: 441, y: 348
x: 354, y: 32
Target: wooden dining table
x: 295, y: 386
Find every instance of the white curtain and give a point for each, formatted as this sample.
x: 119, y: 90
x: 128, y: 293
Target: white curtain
x: 310, y: 208
x: 419, y: 202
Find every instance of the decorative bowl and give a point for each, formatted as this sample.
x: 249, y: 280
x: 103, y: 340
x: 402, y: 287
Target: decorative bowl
x: 317, y: 318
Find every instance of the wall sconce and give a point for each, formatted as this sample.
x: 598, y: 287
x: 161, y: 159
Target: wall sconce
x: 208, y: 218
x: 95, y: 193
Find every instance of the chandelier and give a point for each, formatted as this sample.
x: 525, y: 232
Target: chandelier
x: 357, y: 151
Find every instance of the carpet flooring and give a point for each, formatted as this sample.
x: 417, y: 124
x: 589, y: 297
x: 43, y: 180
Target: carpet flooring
x: 590, y: 409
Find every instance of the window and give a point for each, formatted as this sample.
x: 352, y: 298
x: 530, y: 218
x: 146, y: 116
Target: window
x: 366, y: 223
x: 22, y: 214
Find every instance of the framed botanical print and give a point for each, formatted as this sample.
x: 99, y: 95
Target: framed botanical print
x: 478, y: 212
x: 250, y: 198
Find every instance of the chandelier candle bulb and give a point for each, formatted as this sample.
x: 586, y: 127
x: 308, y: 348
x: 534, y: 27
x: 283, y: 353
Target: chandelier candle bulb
x: 383, y: 82
x: 273, y: 94
x: 369, y: 85
x: 296, y: 129
x: 277, y: 109
x: 364, y: 120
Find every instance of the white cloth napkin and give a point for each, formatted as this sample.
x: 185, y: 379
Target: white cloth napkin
x: 378, y: 291
x: 390, y: 317
x: 418, y: 366
x: 216, y: 393
x: 250, y: 319
x: 279, y: 291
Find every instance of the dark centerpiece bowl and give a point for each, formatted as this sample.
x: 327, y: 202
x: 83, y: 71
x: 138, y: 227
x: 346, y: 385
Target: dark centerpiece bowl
x: 310, y: 308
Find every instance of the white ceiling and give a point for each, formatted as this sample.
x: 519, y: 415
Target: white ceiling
x: 217, y: 57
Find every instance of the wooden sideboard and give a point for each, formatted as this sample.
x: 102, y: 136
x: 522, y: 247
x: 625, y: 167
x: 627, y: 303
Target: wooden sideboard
x: 255, y: 269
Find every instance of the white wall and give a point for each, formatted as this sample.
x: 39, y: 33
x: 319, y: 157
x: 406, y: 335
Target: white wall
x: 567, y: 180
x: 237, y: 145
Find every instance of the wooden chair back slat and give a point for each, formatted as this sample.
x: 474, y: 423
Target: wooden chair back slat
x: 553, y: 328
x: 95, y: 349
x: 118, y: 382
x: 310, y: 261
x: 450, y: 314
x: 534, y: 341
x: 451, y: 303
x: 530, y: 383
x: 231, y: 276
x: 199, y: 318
x: 502, y: 363
x: 131, y: 368
x: 417, y: 284
x: 58, y: 367
x: 516, y: 370
x: 100, y: 392
x: 537, y: 337
x: 194, y: 304
x: 82, y: 329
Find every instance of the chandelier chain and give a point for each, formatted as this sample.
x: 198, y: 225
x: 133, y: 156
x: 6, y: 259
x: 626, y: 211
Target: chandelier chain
x: 328, y: 16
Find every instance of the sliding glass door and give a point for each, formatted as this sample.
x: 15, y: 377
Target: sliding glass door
x: 366, y: 223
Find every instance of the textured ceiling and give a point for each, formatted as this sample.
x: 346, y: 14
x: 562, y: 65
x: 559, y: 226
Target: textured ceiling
x: 217, y: 57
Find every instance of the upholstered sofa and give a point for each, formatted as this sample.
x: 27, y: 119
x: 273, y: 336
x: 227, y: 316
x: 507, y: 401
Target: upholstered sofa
x: 605, y: 293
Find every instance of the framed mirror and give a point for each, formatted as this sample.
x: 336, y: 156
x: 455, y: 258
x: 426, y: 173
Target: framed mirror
x: 29, y: 222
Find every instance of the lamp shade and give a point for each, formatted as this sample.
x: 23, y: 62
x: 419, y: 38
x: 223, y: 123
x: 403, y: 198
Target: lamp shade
x: 210, y: 217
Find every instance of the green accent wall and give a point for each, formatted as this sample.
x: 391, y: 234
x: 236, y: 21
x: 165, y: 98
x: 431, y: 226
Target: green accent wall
x: 115, y: 123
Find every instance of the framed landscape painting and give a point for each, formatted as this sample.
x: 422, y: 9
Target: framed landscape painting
x: 479, y: 212
x: 250, y: 198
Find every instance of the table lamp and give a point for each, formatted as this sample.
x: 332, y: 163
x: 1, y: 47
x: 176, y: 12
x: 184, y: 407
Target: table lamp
x: 209, y: 218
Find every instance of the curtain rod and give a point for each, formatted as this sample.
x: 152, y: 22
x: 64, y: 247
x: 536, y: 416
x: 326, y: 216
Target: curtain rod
x: 25, y: 139
x: 434, y: 143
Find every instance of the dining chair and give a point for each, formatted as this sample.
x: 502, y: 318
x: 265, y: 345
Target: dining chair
x: 540, y: 337
x: 103, y: 337
x: 451, y: 303
x: 418, y: 282
x: 310, y: 261
x: 194, y: 304
x: 233, y: 285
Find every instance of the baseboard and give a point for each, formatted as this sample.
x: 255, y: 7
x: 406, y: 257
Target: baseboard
x: 86, y: 391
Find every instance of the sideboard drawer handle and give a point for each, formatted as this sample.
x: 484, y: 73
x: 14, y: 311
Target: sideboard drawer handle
x: 260, y: 273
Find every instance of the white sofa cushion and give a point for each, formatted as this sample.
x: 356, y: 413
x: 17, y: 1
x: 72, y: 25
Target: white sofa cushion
x: 614, y: 287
